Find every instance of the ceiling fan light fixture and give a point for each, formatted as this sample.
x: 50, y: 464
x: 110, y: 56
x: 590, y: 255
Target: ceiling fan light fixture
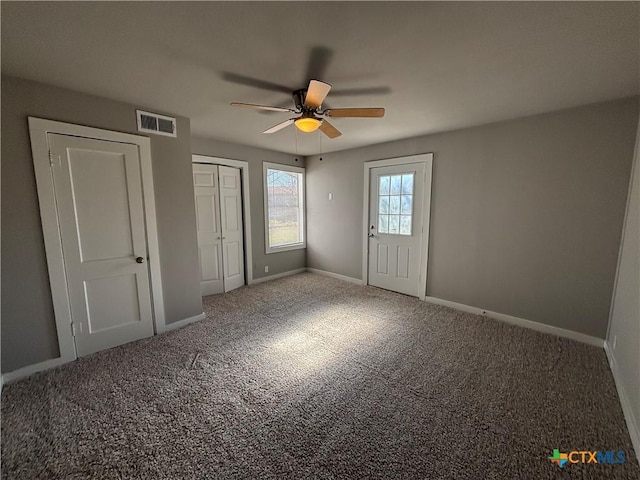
x: 308, y: 124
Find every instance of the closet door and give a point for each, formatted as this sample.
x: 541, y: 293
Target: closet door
x: 207, y: 198
x: 232, y: 231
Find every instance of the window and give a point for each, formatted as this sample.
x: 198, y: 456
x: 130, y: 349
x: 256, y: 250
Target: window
x: 395, y: 203
x: 284, y: 214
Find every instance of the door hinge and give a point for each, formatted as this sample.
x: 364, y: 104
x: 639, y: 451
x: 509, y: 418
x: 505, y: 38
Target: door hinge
x: 76, y: 328
x: 51, y: 157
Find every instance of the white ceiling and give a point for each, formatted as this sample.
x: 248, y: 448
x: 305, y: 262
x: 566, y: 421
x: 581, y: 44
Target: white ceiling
x: 447, y: 65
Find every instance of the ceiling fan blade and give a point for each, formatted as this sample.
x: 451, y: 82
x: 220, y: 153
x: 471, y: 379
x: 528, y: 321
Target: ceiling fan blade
x: 347, y: 92
x: 280, y: 126
x: 316, y: 93
x: 261, y: 107
x: 279, y: 105
x: 318, y: 62
x: 254, y: 82
x: 355, y: 112
x: 329, y: 130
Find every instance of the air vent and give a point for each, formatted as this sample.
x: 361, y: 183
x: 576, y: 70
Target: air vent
x: 155, y: 123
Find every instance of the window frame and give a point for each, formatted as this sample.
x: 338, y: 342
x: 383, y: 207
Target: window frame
x: 303, y: 189
x: 400, y: 213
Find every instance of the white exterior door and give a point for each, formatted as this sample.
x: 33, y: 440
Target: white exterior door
x: 396, y: 199
x: 232, y: 231
x: 205, y: 184
x: 99, y: 199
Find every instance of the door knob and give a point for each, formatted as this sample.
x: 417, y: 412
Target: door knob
x: 371, y: 235
x: 140, y: 260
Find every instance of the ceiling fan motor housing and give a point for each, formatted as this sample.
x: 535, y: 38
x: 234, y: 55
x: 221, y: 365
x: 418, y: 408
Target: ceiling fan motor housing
x: 298, y: 100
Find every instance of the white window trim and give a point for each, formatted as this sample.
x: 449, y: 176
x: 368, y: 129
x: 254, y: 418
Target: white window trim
x: 288, y: 168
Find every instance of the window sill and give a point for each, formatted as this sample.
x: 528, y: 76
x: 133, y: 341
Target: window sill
x: 286, y: 248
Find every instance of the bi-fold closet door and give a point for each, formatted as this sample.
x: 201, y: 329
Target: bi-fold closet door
x: 218, y: 202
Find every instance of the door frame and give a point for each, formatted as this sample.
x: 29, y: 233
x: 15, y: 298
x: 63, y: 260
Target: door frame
x: 427, y: 159
x: 38, y: 130
x: 246, y: 205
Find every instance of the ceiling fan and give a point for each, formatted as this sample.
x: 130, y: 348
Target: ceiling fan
x: 311, y: 117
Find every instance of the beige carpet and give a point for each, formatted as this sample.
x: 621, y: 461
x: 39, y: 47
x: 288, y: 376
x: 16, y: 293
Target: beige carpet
x: 311, y: 377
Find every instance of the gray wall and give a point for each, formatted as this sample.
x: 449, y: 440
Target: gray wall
x: 278, y: 262
x: 624, y: 326
x: 526, y: 214
x: 28, y: 325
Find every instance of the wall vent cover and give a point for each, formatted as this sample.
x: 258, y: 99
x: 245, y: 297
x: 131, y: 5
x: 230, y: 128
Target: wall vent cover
x: 156, y: 123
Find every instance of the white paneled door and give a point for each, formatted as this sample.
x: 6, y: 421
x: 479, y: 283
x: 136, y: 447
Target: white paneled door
x: 98, y: 191
x: 218, y: 198
x: 396, y: 195
x: 205, y: 184
x: 232, y: 231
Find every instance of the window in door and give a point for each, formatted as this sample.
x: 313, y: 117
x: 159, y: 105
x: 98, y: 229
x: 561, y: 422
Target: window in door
x: 395, y: 203
x: 284, y: 207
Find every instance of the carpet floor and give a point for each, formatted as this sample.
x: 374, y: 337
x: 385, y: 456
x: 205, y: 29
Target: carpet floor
x: 312, y: 377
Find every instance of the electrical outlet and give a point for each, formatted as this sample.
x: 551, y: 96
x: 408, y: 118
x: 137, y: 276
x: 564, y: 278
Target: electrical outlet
x: 266, y: 269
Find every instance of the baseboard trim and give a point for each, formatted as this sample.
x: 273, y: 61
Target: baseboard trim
x: 335, y: 275
x: 629, y: 417
x: 183, y: 323
x: 29, y: 370
x: 275, y: 276
x: 521, y: 322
